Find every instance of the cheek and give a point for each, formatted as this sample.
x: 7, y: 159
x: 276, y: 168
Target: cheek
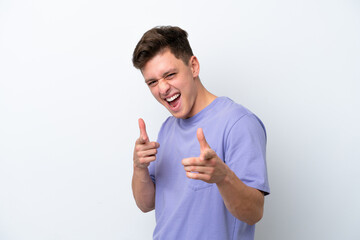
x: 154, y: 92
x: 183, y: 84
x: 187, y: 88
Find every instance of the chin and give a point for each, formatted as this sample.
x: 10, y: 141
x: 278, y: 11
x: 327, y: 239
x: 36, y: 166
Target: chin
x: 177, y: 114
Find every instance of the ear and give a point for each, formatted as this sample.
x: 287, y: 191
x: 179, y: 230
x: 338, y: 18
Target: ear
x: 195, y: 66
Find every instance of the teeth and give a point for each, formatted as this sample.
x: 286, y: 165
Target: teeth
x: 173, y: 97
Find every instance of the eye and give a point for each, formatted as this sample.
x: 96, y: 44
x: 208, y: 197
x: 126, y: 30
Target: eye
x: 151, y: 83
x: 170, y: 76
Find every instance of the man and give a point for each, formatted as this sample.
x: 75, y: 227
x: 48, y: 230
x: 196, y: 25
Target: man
x: 206, y: 175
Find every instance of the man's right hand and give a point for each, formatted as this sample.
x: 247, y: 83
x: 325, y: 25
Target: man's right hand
x: 144, y: 151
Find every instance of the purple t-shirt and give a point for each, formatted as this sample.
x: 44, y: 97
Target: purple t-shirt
x: 193, y: 209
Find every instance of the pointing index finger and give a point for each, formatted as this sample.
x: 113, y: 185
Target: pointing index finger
x: 202, y: 140
x: 143, y: 135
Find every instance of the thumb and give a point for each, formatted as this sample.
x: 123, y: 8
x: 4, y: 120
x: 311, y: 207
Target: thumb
x: 202, y: 140
x: 143, y: 135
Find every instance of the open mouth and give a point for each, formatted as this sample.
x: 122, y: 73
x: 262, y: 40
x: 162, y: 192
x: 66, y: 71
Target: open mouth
x: 173, y: 101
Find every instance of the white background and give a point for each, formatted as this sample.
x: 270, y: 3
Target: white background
x: 70, y: 100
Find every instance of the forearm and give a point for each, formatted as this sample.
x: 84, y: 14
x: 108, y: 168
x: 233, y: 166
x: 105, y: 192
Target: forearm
x: 143, y: 189
x: 244, y: 202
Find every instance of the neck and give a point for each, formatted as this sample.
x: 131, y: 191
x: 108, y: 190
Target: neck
x: 204, y: 97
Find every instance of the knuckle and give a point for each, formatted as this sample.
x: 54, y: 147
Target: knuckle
x: 210, y: 153
x: 143, y: 161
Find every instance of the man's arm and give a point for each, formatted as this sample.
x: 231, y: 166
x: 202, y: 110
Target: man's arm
x: 245, y: 203
x: 142, y: 184
x: 143, y: 189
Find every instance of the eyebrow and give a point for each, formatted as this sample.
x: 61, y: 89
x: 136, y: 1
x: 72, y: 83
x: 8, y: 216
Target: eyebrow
x: 163, y: 76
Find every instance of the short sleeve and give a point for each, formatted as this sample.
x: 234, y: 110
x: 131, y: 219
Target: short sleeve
x: 246, y: 152
x: 152, y: 171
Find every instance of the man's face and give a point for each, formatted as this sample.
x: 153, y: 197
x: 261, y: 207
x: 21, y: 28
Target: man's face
x: 173, y: 83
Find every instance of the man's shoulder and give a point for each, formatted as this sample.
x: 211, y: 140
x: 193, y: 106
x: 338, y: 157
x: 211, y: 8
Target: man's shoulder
x: 231, y: 109
x: 233, y: 113
x: 169, y: 121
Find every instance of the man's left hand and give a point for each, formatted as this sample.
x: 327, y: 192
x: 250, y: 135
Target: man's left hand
x: 208, y: 166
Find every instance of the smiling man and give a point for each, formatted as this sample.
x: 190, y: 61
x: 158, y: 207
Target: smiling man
x: 206, y: 175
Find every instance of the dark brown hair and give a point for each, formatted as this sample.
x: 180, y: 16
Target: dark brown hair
x: 158, y: 39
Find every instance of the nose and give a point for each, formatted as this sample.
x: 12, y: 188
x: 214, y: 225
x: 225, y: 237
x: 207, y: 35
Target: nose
x: 164, y: 87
